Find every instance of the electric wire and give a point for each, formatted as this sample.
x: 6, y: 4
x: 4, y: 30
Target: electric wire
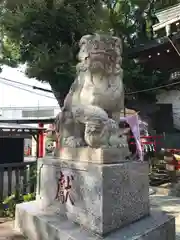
x: 130, y: 93
x: 26, y: 85
x: 33, y: 92
x: 154, y: 88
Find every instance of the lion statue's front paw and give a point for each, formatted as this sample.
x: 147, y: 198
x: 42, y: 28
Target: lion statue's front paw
x: 73, y: 142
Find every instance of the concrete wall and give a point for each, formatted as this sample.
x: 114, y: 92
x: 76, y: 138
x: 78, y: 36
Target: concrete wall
x: 17, y: 112
x: 172, y: 97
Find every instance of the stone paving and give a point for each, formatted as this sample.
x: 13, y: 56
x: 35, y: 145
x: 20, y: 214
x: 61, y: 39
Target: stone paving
x: 7, y: 232
x: 166, y: 203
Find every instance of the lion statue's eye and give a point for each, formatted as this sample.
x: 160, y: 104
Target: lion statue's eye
x: 82, y: 42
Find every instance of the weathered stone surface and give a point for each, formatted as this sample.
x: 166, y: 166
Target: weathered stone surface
x: 37, y: 225
x: 91, y: 112
x: 95, y: 155
x: 106, y: 196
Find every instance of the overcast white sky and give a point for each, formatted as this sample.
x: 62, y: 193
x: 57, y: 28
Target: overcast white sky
x: 14, y: 97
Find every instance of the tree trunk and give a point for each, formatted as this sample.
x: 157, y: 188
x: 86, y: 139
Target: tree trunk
x: 59, y: 97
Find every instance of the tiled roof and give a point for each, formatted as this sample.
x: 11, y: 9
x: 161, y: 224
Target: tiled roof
x: 168, y: 13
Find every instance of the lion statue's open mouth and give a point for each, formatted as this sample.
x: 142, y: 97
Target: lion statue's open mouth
x: 99, y: 52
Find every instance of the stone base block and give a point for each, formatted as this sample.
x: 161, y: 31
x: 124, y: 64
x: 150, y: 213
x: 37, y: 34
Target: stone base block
x: 102, y: 197
x: 38, y: 225
x: 95, y: 155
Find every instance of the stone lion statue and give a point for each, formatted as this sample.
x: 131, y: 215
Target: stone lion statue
x: 92, y: 107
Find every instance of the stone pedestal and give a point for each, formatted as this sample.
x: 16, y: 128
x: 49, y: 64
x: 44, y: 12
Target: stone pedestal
x: 98, y: 199
x: 95, y: 155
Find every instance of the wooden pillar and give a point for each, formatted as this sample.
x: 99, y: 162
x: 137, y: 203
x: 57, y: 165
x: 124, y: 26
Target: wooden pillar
x: 41, y: 149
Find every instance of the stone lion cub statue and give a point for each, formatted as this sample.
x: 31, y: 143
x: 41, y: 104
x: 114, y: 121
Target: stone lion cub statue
x: 92, y: 107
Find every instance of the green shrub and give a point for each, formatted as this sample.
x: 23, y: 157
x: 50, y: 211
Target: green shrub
x: 8, y: 206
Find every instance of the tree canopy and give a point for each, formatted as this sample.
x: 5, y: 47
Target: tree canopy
x: 132, y: 20
x: 44, y: 35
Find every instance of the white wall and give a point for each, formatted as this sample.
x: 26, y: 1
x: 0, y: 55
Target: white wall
x: 16, y: 113
x: 172, y: 97
x: 14, y: 97
x: 11, y: 113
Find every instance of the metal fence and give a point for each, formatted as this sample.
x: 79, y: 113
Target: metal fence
x: 17, y: 178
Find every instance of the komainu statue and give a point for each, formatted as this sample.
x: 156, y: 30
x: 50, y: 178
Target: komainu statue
x: 92, y: 107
